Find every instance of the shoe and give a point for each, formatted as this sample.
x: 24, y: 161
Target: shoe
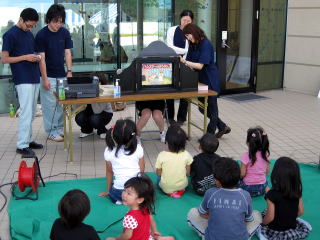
x: 55, y: 138
x: 177, y: 194
x: 226, y: 130
x: 163, y: 136
x: 61, y: 133
x: 180, y: 123
x: 103, y: 135
x: 118, y: 202
x: 26, y: 152
x: 34, y: 145
x: 83, y: 135
x: 172, y: 121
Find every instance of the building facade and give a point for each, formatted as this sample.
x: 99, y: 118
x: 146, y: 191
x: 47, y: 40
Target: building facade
x: 302, y: 64
x: 249, y: 36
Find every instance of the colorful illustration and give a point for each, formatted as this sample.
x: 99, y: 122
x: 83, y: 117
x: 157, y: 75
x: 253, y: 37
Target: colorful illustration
x: 156, y: 74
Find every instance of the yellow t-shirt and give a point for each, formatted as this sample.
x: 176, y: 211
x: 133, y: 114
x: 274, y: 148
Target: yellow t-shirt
x: 173, y: 165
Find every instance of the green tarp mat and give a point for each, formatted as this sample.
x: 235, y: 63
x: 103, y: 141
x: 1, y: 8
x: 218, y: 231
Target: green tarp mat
x: 33, y: 219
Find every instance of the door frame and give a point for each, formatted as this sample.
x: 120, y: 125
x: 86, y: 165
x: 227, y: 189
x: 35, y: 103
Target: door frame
x: 222, y: 25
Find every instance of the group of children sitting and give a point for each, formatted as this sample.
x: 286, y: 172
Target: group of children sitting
x: 226, y: 210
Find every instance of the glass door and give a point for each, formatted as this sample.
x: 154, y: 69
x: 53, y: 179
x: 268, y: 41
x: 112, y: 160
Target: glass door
x: 237, y: 44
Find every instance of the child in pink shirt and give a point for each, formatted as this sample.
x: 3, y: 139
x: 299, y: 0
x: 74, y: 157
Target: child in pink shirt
x: 255, y: 163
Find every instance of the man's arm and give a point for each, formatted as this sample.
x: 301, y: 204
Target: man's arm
x: 68, y: 57
x: 43, y: 71
x: 28, y: 57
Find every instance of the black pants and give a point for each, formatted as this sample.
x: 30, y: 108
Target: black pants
x: 88, y: 121
x: 213, y: 115
x: 182, y: 112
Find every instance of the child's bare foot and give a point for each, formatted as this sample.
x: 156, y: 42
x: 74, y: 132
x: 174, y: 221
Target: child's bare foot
x: 165, y: 238
x: 267, y: 189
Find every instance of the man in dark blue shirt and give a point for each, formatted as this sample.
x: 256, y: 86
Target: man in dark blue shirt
x: 18, y: 49
x: 53, y: 42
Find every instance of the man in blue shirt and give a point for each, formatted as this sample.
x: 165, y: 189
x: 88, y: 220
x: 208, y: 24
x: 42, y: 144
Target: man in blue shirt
x: 18, y: 49
x: 53, y: 42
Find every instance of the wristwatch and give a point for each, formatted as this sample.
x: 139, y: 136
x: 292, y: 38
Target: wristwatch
x: 69, y: 70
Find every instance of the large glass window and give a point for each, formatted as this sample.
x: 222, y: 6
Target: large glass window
x: 272, y: 32
x: 142, y: 22
x: 91, y: 25
x: 205, y: 15
x: 10, y: 12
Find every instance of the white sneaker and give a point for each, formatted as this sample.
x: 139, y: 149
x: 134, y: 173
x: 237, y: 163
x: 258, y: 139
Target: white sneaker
x: 83, y: 135
x: 118, y: 202
x: 61, y: 132
x: 55, y: 138
x: 163, y: 136
x: 103, y: 135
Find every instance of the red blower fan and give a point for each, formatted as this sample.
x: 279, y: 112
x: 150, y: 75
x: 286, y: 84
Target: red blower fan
x: 29, y: 177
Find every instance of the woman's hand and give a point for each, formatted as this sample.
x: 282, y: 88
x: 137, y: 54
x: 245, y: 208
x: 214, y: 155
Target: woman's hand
x: 183, y: 60
x: 103, y: 194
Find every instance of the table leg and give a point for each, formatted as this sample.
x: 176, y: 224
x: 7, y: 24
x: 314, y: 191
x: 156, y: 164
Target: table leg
x: 189, y: 118
x: 70, y: 132
x: 64, y: 127
x: 205, y: 113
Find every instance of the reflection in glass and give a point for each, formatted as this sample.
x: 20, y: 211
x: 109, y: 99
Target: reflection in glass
x: 238, y: 66
x: 141, y: 23
x: 90, y: 25
x: 272, y: 33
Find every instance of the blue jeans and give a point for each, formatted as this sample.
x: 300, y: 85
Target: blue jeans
x: 52, y: 112
x: 254, y: 190
x: 28, y: 96
x: 115, y: 194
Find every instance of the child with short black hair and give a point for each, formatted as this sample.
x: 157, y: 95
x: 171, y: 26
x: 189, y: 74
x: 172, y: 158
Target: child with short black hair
x: 173, y: 164
x: 124, y: 158
x: 284, y: 203
x: 202, y: 166
x: 138, y: 223
x: 255, y: 163
x: 224, y: 211
x: 73, y: 208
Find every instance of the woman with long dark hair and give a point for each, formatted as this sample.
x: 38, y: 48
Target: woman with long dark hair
x: 201, y: 58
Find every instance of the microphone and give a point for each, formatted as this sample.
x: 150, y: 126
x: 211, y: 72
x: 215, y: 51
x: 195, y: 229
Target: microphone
x: 119, y: 71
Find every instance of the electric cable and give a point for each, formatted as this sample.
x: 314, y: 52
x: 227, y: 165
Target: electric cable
x: 46, y: 143
x: 110, y: 225
x: 13, y: 185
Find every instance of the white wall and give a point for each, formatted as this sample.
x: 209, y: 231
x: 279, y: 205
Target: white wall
x: 302, y: 64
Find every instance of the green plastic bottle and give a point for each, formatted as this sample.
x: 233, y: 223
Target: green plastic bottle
x: 11, y: 111
x: 62, y: 94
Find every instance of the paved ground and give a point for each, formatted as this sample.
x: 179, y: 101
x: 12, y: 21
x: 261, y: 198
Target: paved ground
x: 290, y: 119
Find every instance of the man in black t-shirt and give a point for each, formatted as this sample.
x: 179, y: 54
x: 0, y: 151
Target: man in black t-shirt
x: 54, y: 44
x: 18, y: 49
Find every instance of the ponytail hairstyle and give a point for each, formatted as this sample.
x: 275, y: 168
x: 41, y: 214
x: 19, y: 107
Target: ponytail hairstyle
x: 123, y: 134
x: 143, y: 186
x: 285, y: 178
x: 257, y: 140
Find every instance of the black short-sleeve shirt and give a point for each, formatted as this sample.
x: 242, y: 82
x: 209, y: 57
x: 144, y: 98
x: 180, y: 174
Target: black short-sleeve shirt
x: 286, y: 211
x: 60, y: 231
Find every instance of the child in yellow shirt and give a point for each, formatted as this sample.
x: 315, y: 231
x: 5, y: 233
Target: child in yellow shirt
x: 173, y: 164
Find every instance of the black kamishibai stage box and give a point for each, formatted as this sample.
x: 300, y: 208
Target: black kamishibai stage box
x: 157, y: 69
